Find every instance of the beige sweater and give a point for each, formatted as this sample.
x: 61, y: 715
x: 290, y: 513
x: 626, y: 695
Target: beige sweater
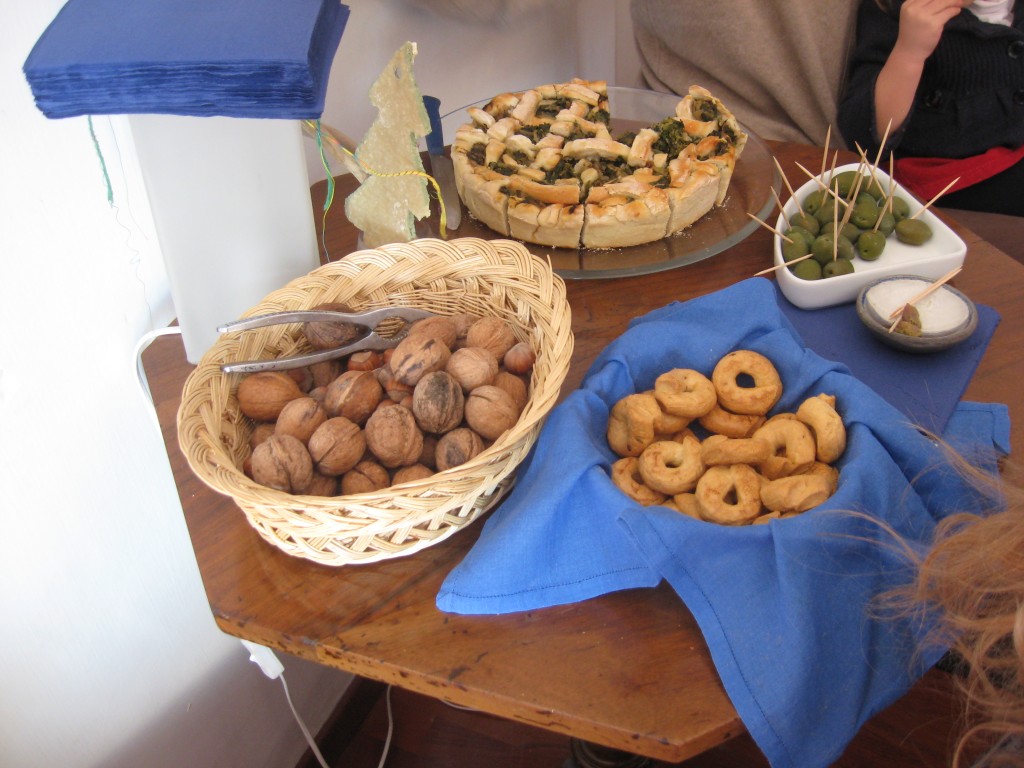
x: 778, y: 65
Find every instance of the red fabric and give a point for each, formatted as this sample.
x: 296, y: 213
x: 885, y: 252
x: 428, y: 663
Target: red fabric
x: 927, y: 176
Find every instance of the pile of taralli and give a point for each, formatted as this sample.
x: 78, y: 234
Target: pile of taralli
x: 750, y: 468
x: 449, y: 389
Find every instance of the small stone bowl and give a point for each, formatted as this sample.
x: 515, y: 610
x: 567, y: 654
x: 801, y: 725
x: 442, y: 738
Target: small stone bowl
x: 947, y: 315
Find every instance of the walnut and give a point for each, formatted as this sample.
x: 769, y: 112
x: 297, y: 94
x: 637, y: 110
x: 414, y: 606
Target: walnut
x: 520, y: 358
x: 303, y: 377
x: 323, y: 485
x: 365, y: 477
x: 437, y: 403
x: 328, y: 334
x: 325, y: 372
x: 440, y: 328
x: 416, y: 356
x: 457, y: 447
x: 491, y: 333
x: 472, y: 367
x: 490, y: 411
x: 260, y: 433
x: 282, y: 462
x: 393, y: 436
x: 353, y: 395
x: 412, y: 473
x: 262, y: 395
x: 428, y: 452
x: 515, y: 386
x: 300, y: 418
x: 337, y: 445
x: 462, y: 322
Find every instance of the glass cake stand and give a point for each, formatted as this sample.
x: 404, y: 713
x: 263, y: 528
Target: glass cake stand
x: 750, y: 192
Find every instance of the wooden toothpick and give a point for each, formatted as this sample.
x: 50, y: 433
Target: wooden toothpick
x: 785, y: 181
x: 769, y: 227
x: 944, y: 191
x: 898, y: 312
x: 784, y: 264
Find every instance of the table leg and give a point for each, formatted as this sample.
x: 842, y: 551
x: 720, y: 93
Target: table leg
x: 585, y: 754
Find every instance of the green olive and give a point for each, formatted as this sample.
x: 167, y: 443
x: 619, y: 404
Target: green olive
x: 913, y: 231
x: 865, y: 214
x: 850, y: 231
x: 875, y: 189
x: 844, y: 182
x: 794, y: 233
x: 824, y: 251
x: 826, y: 213
x: 795, y: 249
x: 887, y: 224
x: 870, y: 245
x: 900, y: 208
x: 808, y: 269
x: 807, y: 221
x: 813, y: 201
x: 837, y: 267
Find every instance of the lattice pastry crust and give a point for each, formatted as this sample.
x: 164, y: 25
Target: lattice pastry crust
x: 542, y: 166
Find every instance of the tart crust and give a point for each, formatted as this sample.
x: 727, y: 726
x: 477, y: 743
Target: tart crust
x: 541, y: 166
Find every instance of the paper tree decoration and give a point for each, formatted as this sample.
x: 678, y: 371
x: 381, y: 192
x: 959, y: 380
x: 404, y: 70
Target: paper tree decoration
x: 394, y: 195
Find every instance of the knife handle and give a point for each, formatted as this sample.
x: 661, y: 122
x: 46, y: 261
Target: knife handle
x: 435, y: 139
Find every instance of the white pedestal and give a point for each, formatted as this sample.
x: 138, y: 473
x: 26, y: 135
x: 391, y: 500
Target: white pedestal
x: 231, y: 207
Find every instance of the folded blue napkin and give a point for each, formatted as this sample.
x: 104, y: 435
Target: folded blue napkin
x: 926, y: 387
x: 263, y: 58
x: 784, y: 607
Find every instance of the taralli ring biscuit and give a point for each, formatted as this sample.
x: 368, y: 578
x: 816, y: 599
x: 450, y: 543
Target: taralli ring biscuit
x: 685, y: 392
x: 719, y: 449
x: 626, y: 475
x: 792, y: 446
x: 671, y: 467
x: 721, y: 466
x: 632, y: 425
x: 796, y: 493
x: 734, y: 396
x: 729, y: 495
x: 820, y: 415
x: 723, y: 422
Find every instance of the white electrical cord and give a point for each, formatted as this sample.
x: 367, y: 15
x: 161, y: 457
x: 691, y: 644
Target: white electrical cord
x: 391, y: 729
x: 140, y: 373
x: 305, y: 731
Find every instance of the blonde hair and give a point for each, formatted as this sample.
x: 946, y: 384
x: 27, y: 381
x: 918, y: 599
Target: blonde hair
x: 973, y: 581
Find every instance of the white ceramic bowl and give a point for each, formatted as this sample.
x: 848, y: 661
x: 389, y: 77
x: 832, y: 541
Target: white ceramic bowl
x: 943, y: 252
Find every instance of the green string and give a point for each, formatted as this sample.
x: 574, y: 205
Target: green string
x: 103, y: 163
x: 329, y: 199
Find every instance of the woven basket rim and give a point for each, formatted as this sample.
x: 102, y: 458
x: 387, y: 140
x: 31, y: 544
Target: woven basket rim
x: 435, y: 507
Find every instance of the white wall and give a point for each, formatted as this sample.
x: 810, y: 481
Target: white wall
x: 110, y: 655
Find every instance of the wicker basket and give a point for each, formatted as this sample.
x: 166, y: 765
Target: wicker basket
x: 483, y: 277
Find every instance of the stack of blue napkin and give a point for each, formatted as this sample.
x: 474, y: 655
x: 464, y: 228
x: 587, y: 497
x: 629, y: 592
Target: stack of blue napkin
x: 263, y: 58
x: 785, y: 607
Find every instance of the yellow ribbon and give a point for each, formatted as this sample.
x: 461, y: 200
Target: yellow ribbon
x: 330, y: 178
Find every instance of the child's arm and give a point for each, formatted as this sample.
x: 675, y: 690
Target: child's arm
x: 921, y: 24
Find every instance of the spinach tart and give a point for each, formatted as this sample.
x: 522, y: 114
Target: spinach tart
x: 542, y: 166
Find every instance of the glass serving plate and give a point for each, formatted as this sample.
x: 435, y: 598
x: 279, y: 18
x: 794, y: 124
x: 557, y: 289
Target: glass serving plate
x: 750, y: 192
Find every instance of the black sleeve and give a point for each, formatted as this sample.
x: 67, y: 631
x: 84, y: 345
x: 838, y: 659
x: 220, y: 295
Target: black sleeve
x: 875, y: 38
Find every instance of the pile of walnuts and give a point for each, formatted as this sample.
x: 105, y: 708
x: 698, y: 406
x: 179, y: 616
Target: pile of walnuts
x: 450, y: 388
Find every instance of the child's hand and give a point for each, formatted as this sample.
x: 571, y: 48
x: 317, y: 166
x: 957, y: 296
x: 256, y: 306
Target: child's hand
x: 921, y: 23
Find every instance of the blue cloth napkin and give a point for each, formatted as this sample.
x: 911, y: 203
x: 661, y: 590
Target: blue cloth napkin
x: 926, y: 387
x: 262, y: 58
x: 784, y: 607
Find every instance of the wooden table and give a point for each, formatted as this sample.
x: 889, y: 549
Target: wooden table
x: 628, y: 670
